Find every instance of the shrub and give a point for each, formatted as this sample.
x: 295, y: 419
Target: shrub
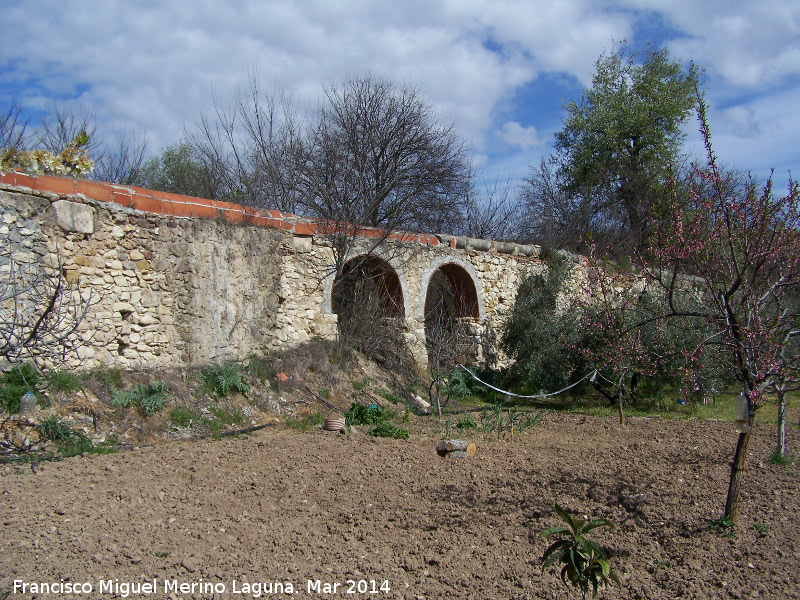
x: 462, y: 384
x: 14, y: 383
x: 223, y: 379
x: 388, y: 430
x: 66, y: 382
x: 366, y: 415
x: 148, y: 398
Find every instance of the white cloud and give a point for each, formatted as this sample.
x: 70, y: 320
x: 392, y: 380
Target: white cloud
x: 524, y: 138
x: 154, y: 64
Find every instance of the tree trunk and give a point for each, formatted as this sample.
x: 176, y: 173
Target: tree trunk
x: 619, y: 402
x: 737, y: 466
x: 781, y: 423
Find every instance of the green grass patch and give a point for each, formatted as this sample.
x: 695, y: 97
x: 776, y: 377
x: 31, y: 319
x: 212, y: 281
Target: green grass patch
x: 783, y: 460
x: 225, y: 417
x: 184, y: 417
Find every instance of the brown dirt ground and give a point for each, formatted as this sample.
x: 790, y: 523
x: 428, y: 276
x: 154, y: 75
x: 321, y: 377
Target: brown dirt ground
x: 283, y: 507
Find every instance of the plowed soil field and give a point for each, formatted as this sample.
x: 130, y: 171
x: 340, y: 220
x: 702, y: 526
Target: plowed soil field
x: 325, y: 515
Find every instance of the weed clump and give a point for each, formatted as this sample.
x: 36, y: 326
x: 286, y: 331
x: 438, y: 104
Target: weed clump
x: 148, y: 398
x: 69, y: 441
x: 65, y: 382
x: 366, y: 415
x: 220, y: 380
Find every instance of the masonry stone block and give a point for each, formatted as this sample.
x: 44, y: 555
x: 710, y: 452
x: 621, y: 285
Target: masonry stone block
x: 71, y: 216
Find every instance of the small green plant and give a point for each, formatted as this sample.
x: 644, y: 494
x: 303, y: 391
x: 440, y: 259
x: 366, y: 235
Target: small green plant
x: 161, y: 554
x: 783, y: 460
x: 761, y: 529
x: 723, y: 525
x: 529, y: 421
x: 66, y: 382
x: 388, y: 430
x: 224, y: 379
x: 14, y: 383
x: 585, y: 562
x: 466, y: 423
x: 148, y: 398
x: 316, y: 418
x: 325, y: 393
x: 447, y: 424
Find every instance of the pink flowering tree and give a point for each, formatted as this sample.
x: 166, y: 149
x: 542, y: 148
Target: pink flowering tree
x: 721, y: 278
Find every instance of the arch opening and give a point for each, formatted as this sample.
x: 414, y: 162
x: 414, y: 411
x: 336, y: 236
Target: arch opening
x: 367, y: 297
x: 451, y: 311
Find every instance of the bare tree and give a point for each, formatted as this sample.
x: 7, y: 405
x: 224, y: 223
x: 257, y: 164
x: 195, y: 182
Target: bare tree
x: 123, y: 161
x: 491, y: 210
x: 252, y: 148
x: 64, y: 124
x: 378, y: 156
x: 117, y: 161
x: 40, y: 313
x: 13, y: 129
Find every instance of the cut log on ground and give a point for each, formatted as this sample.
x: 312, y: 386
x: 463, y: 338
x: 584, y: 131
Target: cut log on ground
x: 451, y: 447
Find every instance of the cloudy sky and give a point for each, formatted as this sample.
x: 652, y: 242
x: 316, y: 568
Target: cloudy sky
x: 498, y: 68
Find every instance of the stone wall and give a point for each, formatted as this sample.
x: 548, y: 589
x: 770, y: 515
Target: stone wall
x: 164, y: 291
x: 178, y: 281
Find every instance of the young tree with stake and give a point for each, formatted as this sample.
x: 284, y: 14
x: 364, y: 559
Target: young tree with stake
x: 737, y: 249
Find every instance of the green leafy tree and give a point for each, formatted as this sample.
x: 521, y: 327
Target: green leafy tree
x: 543, y: 334
x: 180, y: 169
x: 614, y: 151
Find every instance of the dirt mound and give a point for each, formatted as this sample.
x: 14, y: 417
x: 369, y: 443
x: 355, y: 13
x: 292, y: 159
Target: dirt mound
x: 256, y: 514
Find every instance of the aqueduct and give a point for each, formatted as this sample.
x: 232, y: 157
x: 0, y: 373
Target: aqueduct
x: 181, y: 280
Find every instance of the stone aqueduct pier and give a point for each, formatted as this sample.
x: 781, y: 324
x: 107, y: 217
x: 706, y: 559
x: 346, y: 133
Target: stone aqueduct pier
x: 177, y: 280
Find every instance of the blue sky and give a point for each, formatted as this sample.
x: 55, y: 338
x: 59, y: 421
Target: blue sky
x: 498, y: 68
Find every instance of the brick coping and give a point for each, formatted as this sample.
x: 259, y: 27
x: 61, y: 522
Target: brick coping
x: 178, y: 205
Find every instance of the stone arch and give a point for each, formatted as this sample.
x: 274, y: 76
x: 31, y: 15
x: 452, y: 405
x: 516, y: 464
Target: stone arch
x: 463, y: 281
x: 371, y: 275
x: 451, y: 310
